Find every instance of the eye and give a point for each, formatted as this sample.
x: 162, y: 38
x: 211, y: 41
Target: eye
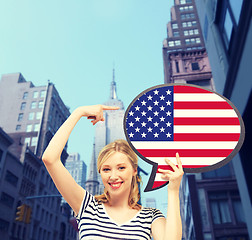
x: 121, y: 168
x: 105, y: 169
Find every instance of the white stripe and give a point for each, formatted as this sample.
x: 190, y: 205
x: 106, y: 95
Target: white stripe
x: 197, y: 97
x: 188, y: 160
x: 204, y: 113
x: 207, y: 129
x: 184, y: 145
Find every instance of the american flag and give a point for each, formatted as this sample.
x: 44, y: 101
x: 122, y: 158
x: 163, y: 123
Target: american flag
x: 198, y: 124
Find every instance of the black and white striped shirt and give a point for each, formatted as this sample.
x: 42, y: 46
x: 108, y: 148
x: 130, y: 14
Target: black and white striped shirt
x: 94, y: 222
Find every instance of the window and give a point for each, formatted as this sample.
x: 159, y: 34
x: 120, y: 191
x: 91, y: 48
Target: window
x: 177, y: 42
x: 33, y: 105
x: 11, y: 178
x: 35, y: 94
x: 25, y: 95
x: 20, y: 116
x: 185, y: 1
x: 186, y: 8
x: 176, y: 34
x: 29, y: 128
x: 174, y: 26
x: 31, y: 116
x: 34, y: 141
x: 6, y: 199
x: 40, y: 104
x: 18, y: 127
x: 42, y: 93
x: 195, y: 66
x: 38, y: 115
x: 228, y: 19
x: 23, y: 104
x: 171, y: 43
x: 192, y: 40
x: 187, y: 15
x: 177, y: 66
x: 27, y: 141
x: 36, y: 127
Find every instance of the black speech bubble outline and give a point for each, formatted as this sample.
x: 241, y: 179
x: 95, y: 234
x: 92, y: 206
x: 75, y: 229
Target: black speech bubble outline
x: 186, y: 170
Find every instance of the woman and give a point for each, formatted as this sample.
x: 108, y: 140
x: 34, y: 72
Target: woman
x: 115, y: 214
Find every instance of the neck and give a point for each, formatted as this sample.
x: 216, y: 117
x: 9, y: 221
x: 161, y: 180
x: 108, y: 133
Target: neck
x: 119, y: 201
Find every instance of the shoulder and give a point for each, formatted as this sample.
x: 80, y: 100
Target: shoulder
x: 152, y: 213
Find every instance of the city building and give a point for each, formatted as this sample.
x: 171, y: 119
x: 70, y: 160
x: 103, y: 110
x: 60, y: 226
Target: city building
x: 210, y: 200
x: 106, y: 132
x: 77, y: 168
x: 227, y: 32
x: 30, y: 116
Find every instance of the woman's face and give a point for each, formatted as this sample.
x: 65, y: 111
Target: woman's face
x: 116, y: 173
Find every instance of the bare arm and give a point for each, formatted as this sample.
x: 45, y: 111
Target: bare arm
x: 69, y: 189
x: 171, y: 228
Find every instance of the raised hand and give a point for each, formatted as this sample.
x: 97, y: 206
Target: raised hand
x: 95, y: 112
x: 175, y: 175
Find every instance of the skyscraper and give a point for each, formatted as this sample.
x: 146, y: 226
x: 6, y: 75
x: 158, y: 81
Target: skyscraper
x: 106, y: 132
x: 30, y: 116
x: 207, y: 199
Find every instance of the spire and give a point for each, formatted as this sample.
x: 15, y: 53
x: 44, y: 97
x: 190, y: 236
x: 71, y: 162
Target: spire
x: 93, y: 170
x: 113, y: 94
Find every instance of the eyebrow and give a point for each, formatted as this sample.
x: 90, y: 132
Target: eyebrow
x: 116, y: 165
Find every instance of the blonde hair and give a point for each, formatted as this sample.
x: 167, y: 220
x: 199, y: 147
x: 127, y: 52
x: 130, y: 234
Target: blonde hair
x: 121, y: 146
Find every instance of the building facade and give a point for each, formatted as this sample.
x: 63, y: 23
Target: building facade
x: 210, y: 200
x: 30, y: 116
x: 227, y: 32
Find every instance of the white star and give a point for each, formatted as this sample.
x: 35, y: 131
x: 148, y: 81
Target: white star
x: 137, y: 129
x: 137, y: 108
x: 156, y: 92
x: 137, y: 119
x: 156, y: 103
x: 143, y: 113
x: 131, y: 124
x: 149, y: 97
x: 162, y: 119
x: 168, y: 124
x: 155, y: 124
x: 156, y: 135
x: 143, y: 124
x: 168, y: 92
x: 143, y: 102
x: 149, y: 129
x: 143, y: 135
x: 162, y: 129
x: 131, y: 135
x: 168, y: 135
x: 162, y: 97
x: 162, y: 108
x: 149, y: 108
x: 168, y: 113
x: 156, y: 113
x: 168, y: 103
x: 131, y: 113
x: 149, y: 119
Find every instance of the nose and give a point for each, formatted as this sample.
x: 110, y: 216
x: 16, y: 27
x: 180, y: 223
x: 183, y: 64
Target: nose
x: 113, y: 175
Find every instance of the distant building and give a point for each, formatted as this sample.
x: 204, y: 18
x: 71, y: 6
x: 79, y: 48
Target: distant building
x: 227, y: 31
x: 105, y: 132
x: 209, y: 201
x: 77, y: 168
x: 30, y: 116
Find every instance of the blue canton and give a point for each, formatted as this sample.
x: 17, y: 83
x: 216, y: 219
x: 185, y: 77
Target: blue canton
x: 150, y: 118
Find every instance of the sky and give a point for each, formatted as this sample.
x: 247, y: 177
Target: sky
x: 75, y: 44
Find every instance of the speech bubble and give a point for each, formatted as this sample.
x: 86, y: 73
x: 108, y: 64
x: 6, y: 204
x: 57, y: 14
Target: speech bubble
x: 204, y: 127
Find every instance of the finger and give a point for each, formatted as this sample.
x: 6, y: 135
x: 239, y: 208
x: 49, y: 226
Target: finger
x: 173, y: 166
x: 104, y: 107
x: 91, y: 117
x: 165, y: 171
x: 179, y: 161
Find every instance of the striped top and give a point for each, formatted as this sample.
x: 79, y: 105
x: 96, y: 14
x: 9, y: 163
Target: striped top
x: 94, y: 222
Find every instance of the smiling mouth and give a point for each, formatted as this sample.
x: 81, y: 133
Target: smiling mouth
x: 115, y: 185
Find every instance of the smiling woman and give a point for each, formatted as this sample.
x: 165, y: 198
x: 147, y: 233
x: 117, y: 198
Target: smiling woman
x: 116, y: 213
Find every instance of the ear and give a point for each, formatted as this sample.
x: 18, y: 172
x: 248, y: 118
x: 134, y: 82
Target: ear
x: 135, y: 172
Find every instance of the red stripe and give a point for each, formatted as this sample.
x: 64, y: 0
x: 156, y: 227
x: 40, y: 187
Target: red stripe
x: 167, y: 167
x: 206, y: 137
x: 202, y: 105
x: 189, y: 89
x: 185, y: 152
x: 157, y: 184
x: 206, y: 121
